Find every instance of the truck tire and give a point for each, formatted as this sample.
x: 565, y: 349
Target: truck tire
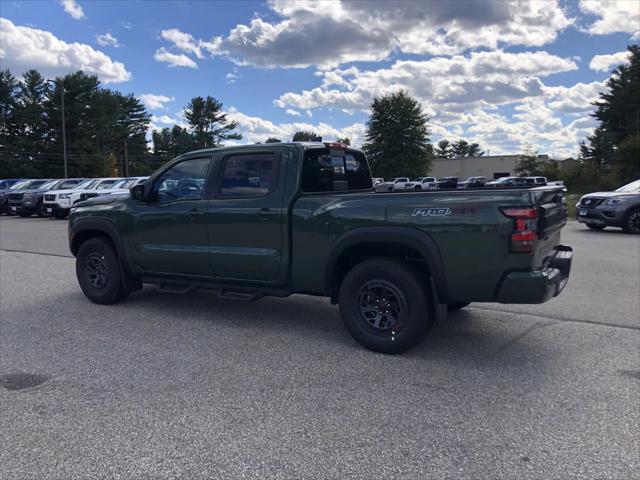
x: 632, y: 222
x: 417, y: 187
x: 385, y: 306
x: 98, y: 272
x: 452, y: 307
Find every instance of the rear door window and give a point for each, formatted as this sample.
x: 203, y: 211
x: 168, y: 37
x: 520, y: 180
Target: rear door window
x: 249, y: 175
x: 325, y: 170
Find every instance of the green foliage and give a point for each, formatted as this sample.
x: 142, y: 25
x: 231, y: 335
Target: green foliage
x: 103, y: 127
x: 460, y: 148
x: 397, y: 138
x: 209, y: 122
x: 345, y: 140
x: 613, y: 148
x: 443, y: 150
x: 306, y: 136
x: 273, y: 140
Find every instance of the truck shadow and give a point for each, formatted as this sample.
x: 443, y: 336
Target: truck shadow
x: 470, y: 338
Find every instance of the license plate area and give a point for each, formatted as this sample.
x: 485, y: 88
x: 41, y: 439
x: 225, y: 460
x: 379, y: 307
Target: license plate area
x: 583, y: 212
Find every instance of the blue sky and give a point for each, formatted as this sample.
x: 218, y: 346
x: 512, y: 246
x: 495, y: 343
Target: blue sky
x: 506, y: 75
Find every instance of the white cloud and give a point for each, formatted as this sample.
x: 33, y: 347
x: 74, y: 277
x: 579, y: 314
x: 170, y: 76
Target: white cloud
x: 257, y: 129
x: 330, y: 33
x: 604, y: 63
x: 232, y: 77
x: 574, y: 99
x: 108, y: 40
x: 155, y: 102
x: 174, y: 60
x: 164, y: 119
x: 614, y: 16
x: 24, y: 48
x: 73, y: 9
x: 291, y: 111
x: 493, y: 77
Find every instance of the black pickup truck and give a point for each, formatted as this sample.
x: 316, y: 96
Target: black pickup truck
x: 287, y: 218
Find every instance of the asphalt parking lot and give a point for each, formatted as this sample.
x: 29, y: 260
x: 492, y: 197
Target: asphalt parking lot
x: 166, y: 386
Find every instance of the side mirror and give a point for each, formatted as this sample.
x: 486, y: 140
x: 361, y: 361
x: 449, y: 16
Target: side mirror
x: 137, y: 193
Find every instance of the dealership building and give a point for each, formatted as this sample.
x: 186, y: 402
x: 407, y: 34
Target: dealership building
x: 490, y: 166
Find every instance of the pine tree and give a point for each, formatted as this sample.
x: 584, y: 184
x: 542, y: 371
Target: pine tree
x: 273, y: 140
x: 615, y: 143
x: 209, y: 122
x: 397, y: 138
x: 306, y: 136
x: 443, y: 150
x: 460, y: 148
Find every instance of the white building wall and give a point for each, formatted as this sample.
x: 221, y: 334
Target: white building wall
x: 486, y: 166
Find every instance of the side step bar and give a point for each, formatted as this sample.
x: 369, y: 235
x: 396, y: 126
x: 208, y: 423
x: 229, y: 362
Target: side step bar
x: 228, y: 291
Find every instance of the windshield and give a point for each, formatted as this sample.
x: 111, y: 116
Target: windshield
x: 633, y: 187
x: 125, y: 183
x: 20, y: 185
x: 107, y: 184
x: 49, y: 185
x: 36, y: 183
x: 86, y: 184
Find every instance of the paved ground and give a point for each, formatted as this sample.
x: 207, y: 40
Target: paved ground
x: 166, y: 386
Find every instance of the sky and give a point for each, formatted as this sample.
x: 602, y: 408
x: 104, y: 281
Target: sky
x: 508, y: 75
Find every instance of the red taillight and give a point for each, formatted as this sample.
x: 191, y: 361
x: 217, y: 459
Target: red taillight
x: 524, y: 236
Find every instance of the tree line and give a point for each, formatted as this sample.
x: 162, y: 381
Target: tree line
x: 106, y: 132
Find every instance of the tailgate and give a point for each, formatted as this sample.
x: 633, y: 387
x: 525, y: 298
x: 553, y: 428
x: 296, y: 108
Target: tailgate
x: 552, y: 216
x: 552, y: 211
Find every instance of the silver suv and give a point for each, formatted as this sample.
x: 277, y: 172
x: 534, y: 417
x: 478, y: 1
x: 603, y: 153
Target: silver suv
x: 620, y: 208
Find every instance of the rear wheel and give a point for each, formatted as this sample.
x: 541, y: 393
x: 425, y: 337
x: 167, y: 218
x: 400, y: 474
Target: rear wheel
x: 385, y: 306
x: 632, y: 222
x: 98, y: 272
x: 595, y: 226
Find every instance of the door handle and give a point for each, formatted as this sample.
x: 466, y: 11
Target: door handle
x: 265, y: 213
x: 194, y: 213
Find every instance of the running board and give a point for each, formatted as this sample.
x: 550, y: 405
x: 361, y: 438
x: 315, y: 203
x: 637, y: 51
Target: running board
x: 227, y: 291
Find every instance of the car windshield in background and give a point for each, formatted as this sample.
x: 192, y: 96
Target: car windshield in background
x: 107, y: 184
x: 20, y: 185
x: 633, y: 187
x: 125, y: 183
x: 36, y: 183
x: 86, y: 184
x: 50, y: 184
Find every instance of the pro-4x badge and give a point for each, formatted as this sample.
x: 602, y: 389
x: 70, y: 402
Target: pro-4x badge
x: 431, y: 212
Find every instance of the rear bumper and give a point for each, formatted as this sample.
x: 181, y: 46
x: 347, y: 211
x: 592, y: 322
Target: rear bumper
x: 539, y: 285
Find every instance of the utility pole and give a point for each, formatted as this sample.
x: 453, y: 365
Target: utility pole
x: 64, y: 131
x: 126, y: 159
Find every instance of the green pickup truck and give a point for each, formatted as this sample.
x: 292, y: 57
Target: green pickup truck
x: 287, y: 218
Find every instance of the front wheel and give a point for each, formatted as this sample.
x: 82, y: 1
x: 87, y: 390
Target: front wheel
x: 385, y: 306
x: 40, y: 211
x: 632, y: 222
x: 417, y: 187
x: 98, y: 272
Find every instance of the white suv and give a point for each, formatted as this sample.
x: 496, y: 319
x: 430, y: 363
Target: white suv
x: 58, y: 203
x: 423, y: 183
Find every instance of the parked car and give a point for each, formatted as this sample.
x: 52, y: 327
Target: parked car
x: 58, y: 203
x: 377, y: 181
x: 389, y: 261
x: 447, y: 182
x: 473, y: 182
x: 28, y: 201
x: 423, y: 183
x: 13, y: 197
x: 8, y: 184
x: 509, y: 182
x: 120, y: 188
x: 539, y: 181
x: 620, y: 208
